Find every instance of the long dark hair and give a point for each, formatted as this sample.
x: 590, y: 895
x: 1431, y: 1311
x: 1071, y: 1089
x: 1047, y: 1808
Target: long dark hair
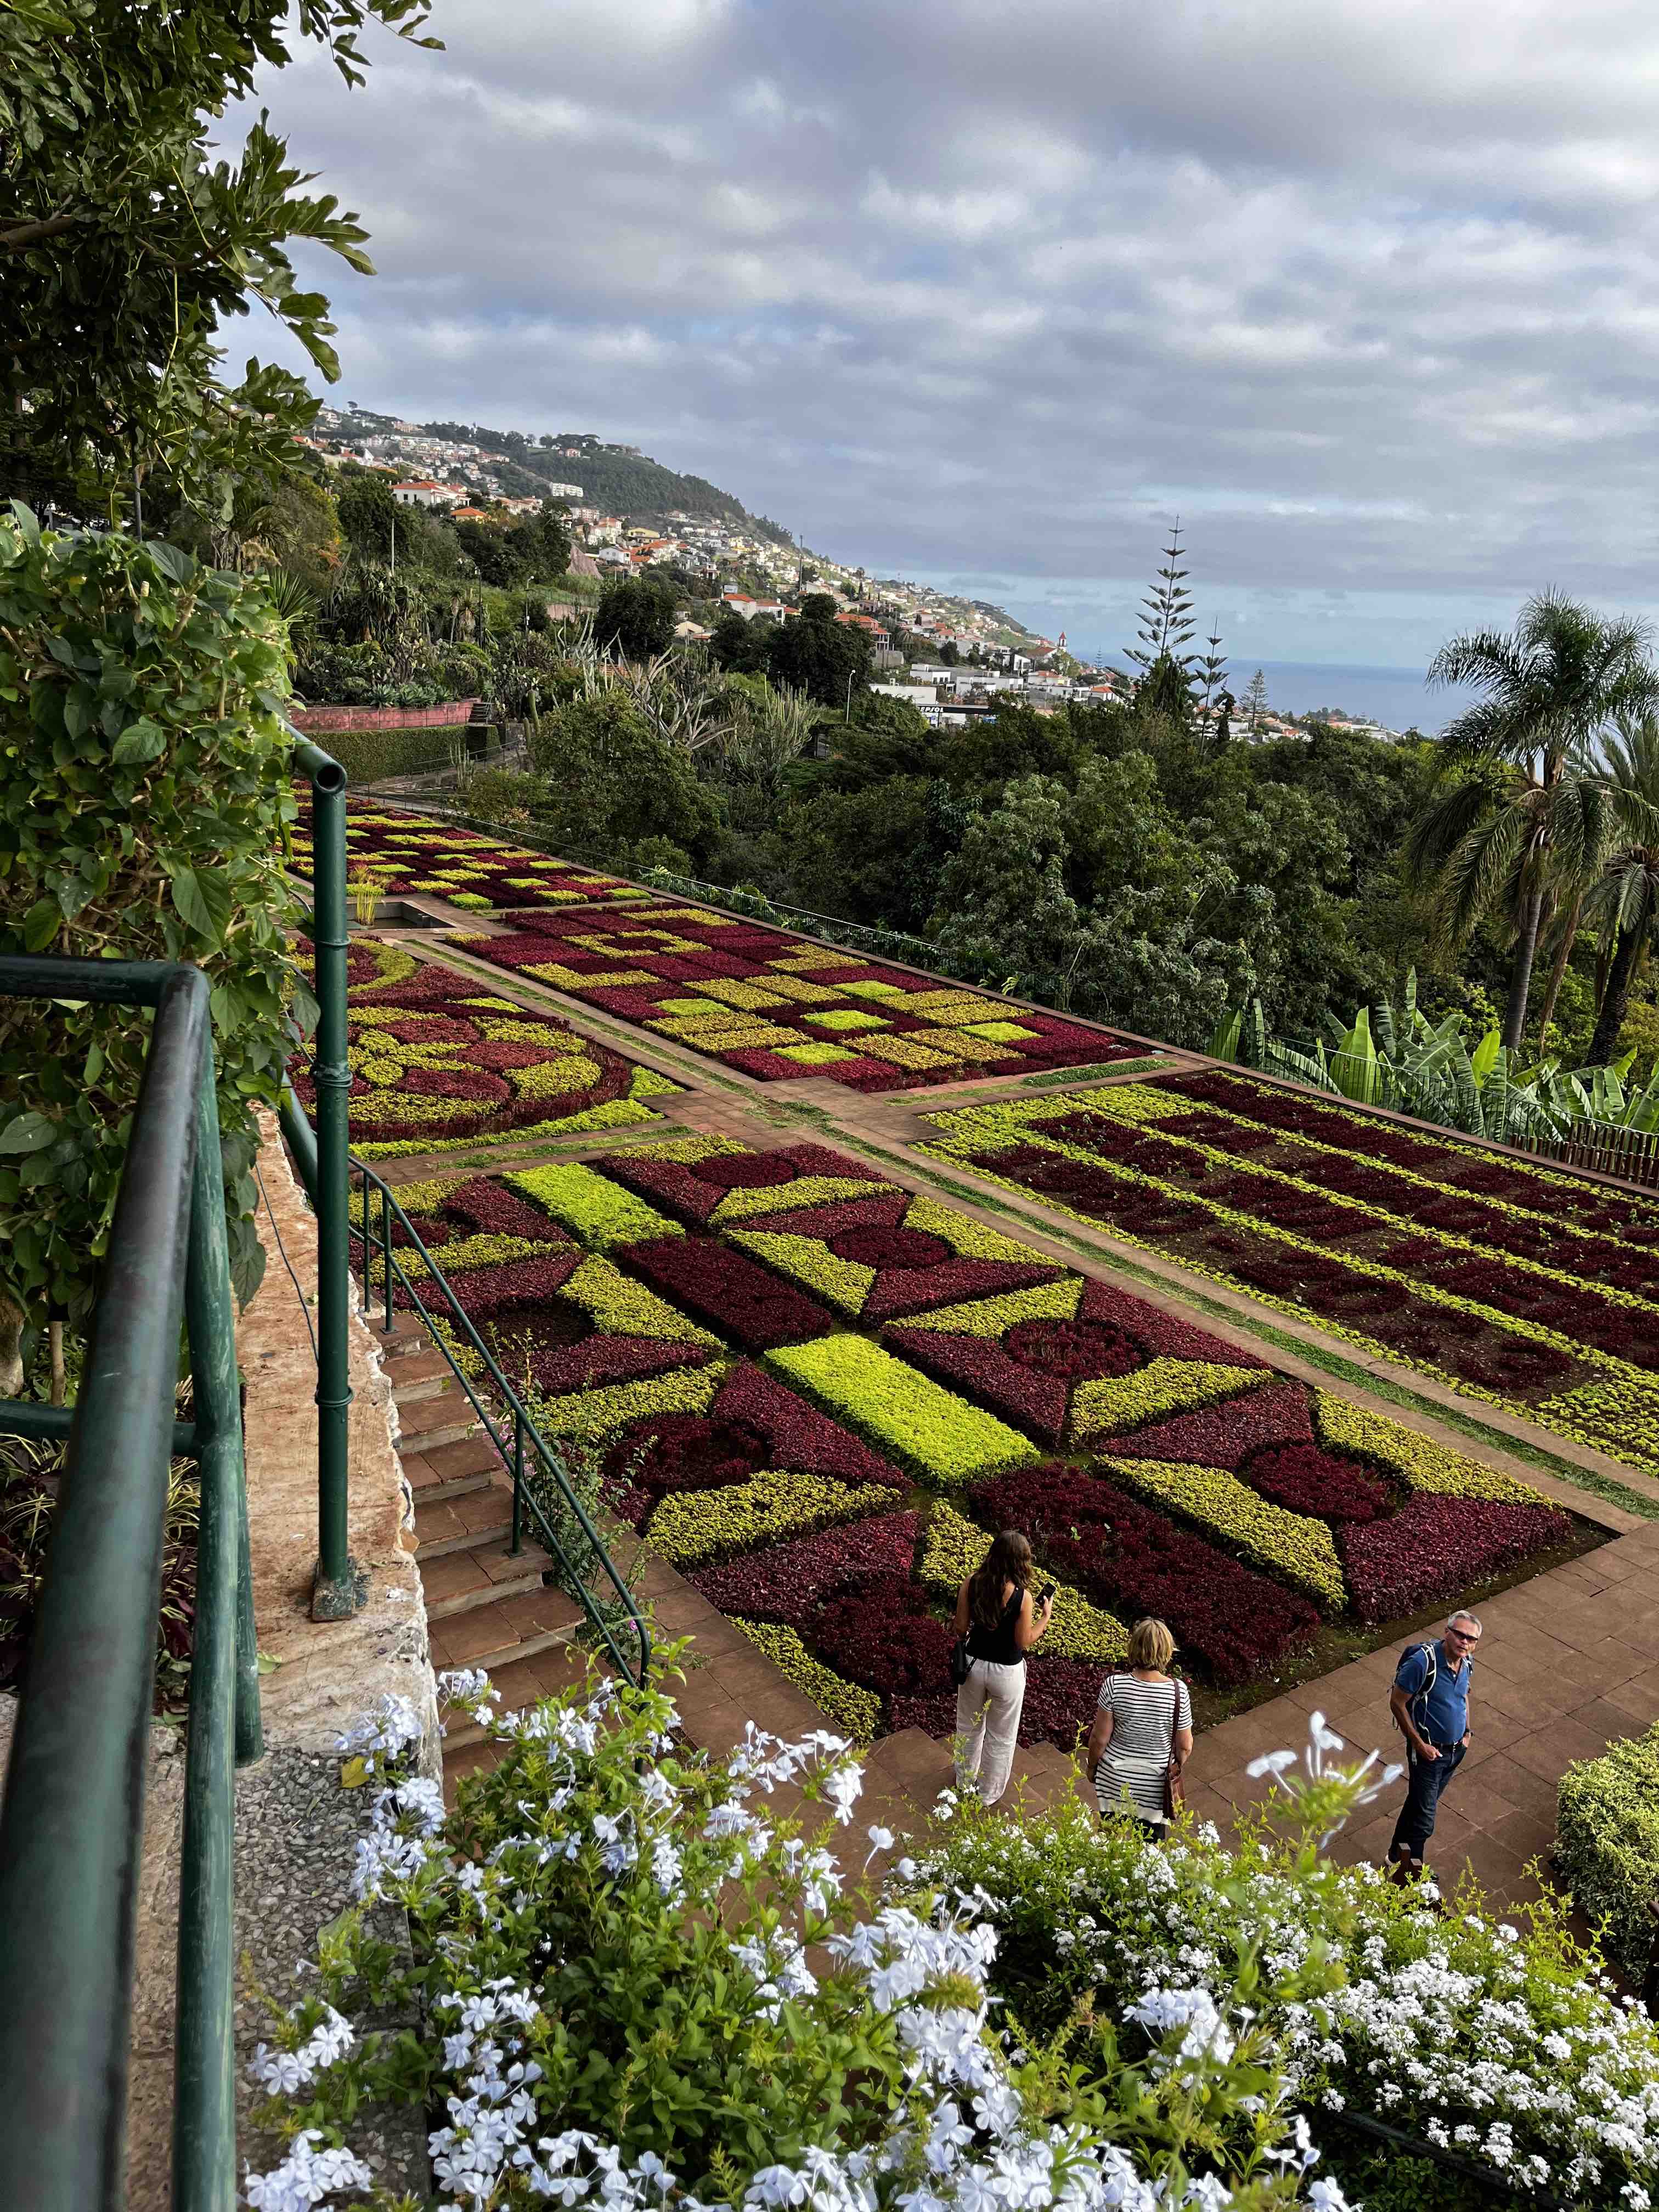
x: 1008, y: 1560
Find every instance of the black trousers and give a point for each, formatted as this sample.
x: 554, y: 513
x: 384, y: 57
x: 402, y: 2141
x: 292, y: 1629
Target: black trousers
x: 1425, y: 1779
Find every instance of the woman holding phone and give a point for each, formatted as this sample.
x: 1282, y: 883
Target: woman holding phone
x: 999, y: 1622
x: 1142, y: 1734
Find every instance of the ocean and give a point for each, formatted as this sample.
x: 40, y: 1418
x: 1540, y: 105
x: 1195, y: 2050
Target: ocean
x: 1396, y: 697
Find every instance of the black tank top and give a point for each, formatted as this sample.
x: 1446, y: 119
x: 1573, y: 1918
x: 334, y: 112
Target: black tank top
x: 998, y: 1644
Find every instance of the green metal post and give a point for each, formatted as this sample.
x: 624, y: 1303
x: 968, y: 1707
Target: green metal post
x: 338, y: 1591
x: 224, y: 1706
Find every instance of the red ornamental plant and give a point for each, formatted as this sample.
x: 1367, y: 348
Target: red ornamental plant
x: 879, y: 1632
x: 1134, y: 1561
x: 915, y: 1267
x: 1225, y: 1436
x: 788, y: 1583
x: 795, y: 1436
x: 486, y: 1293
x: 692, y: 1190
x: 1305, y: 1479
x: 1435, y: 1546
x: 728, y: 1291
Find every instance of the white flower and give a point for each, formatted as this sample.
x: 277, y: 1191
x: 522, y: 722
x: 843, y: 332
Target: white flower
x: 305, y: 2177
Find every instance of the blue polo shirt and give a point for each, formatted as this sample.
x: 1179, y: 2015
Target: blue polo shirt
x: 1448, y: 1702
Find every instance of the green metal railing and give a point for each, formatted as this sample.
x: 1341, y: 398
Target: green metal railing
x: 71, y: 1826
x: 507, y: 1423
x: 338, y: 1589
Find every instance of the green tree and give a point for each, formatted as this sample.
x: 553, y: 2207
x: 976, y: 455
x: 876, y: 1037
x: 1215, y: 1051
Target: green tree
x: 738, y: 644
x: 1624, y: 903
x: 1255, y: 702
x: 636, y: 617
x: 1531, y: 818
x: 1164, y: 631
x: 828, y: 660
x: 125, y: 249
x: 612, y: 782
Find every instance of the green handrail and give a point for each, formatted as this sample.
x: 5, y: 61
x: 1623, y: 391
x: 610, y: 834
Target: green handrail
x: 338, y: 1589
x: 71, y: 1826
x: 527, y: 1507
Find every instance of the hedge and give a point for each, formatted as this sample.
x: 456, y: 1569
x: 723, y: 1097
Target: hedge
x: 1606, y: 1844
x: 370, y: 756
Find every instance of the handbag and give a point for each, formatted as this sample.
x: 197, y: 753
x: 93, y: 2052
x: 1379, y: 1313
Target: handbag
x: 1175, y: 1787
x: 962, y: 1662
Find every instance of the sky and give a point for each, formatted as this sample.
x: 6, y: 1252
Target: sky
x: 1362, y: 290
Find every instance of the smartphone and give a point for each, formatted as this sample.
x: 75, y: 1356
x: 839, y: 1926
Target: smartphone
x: 1045, y: 1596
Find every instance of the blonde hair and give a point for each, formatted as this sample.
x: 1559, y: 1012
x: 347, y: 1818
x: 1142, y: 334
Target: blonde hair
x: 1150, y: 1644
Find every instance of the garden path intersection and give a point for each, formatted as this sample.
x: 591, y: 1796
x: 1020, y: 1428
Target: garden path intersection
x: 831, y: 1303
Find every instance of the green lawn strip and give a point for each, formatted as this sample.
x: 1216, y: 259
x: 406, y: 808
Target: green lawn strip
x: 1057, y: 1077
x: 1320, y: 1354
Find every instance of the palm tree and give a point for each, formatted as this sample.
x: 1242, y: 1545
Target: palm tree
x: 1624, y: 901
x: 1526, y: 819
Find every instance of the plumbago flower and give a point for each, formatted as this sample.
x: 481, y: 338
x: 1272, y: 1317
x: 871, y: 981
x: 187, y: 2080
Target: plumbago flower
x: 1510, y: 2045
x: 610, y: 1947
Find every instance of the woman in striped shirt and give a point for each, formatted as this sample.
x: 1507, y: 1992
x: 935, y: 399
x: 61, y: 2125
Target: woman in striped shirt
x: 1143, y: 1721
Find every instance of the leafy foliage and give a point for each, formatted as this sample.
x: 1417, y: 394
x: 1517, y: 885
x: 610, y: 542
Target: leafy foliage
x: 144, y: 788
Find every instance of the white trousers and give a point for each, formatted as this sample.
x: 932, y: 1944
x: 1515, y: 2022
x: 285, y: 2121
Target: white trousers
x: 987, y: 1727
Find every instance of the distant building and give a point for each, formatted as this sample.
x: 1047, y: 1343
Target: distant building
x: 423, y: 491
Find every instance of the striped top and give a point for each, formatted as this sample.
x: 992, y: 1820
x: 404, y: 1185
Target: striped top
x: 1137, y: 1759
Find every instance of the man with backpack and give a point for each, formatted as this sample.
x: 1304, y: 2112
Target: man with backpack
x: 1430, y: 1704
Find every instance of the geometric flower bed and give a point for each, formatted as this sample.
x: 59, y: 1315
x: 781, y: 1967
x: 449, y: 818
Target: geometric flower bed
x: 1519, y: 1287
x: 781, y: 1007
x: 827, y: 1487
x: 436, y: 1063
x: 398, y: 853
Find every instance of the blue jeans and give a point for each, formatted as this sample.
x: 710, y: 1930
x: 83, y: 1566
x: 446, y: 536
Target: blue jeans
x: 1425, y: 1779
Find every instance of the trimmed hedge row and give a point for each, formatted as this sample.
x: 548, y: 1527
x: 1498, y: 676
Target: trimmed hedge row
x: 1606, y: 1844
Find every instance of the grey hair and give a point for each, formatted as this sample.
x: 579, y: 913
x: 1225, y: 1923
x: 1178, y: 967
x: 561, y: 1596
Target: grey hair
x: 1462, y: 1613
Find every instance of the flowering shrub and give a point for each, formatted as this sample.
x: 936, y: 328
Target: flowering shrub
x: 611, y: 1941
x: 1507, y: 2045
x: 925, y: 1428
x: 1134, y: 1560
x: 1606, y: 1844
x: 781, y: 1007
x: 1436, y: 1546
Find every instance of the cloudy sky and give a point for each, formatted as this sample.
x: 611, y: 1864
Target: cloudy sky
x: 1362, y: 290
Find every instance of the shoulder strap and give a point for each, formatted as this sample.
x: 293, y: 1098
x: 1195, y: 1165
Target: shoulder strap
x: 1174, y: 1714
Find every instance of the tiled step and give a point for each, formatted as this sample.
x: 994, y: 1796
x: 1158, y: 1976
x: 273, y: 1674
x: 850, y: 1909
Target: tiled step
x: 507, y: 1630
x: 455, y: 1581
x: 432, y: 1422
x: 461, y: 1524
x: 452, y: 1471
x: 419, y: 1375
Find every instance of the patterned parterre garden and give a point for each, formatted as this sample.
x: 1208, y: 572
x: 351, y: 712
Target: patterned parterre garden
x: 1513, y: 1282
x: 436, y: 1063
x: 818, y: 1395
x: 400, y: 853
x: 781, y: 1007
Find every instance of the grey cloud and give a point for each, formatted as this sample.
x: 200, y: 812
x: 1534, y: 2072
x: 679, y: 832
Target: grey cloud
x: 1363, y: 286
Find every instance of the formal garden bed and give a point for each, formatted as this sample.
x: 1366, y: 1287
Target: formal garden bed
x: 437, y: 1063
x: 781, y: 1007
x: 398, y: 853
x: 818, y: 1395
x: 1522, y: 1287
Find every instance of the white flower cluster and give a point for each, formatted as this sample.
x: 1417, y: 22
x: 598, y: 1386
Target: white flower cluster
x: 960, y: 2140
x: 1452, y: 2028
